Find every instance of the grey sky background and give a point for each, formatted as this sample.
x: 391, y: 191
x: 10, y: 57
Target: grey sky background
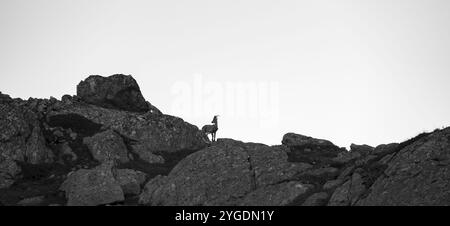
x: 363, y: 71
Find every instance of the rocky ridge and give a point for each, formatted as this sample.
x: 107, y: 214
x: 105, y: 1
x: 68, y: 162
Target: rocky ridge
x: 109, y: 146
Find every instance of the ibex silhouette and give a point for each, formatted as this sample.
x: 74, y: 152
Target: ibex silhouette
x: 211, y: 129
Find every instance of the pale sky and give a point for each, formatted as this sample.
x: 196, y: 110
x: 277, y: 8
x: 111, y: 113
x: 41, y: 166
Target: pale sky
x: 362, y: 71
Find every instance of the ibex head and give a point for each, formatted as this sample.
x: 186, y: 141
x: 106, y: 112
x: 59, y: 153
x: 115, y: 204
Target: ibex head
x: 215, y: 119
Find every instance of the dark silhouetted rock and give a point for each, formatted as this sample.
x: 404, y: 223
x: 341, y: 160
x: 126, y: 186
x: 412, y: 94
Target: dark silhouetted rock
x: 107, y: 146
x: 417, y: 175
x: 92, y: 187
x: 116, y: 91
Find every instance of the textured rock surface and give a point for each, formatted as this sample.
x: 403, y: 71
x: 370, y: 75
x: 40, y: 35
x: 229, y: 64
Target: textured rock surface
x: 9, y: 171
x: 21, y: 140
x: 310, y: 150
x: 117, y: 91
x: 317, y: 199
x: 349, y: 192
x: 224, y: 174
x: 276, y: 195
x: 107, y: 146
x: 130, y: 181
x: 47, y: 144
x: 361, y: 149
x: 92, y: 187
x: 419, y: 174
x: 146, y: 155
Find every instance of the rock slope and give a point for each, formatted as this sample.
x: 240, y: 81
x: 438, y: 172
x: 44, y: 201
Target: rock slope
x: 109, y: 146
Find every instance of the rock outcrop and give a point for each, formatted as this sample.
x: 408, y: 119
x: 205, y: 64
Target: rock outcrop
x: 154, y: 133
x: 109, y: 146
x: 43, y: 140
x: 117, y: 91
x: 21, y: 140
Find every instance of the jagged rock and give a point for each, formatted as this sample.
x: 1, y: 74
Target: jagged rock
x: 92, y: 187
x: 146, y: 155
x: 116, y: 91
x: 157, y: 133
x: 222, y: 174
x: 419, y: 174
x: 276, y: 195
x: 349, y: 192
x: 130, y: 181
x: 107, y: 146
x: 316, y: 199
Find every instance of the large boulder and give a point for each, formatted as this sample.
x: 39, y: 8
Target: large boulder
x: 92, y: 187
x: 317, y: 152
x: 292, y: 139
x: 107, y: 146
x: 224, y: 174
x: 418, y: 174
x: 116, y: 91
